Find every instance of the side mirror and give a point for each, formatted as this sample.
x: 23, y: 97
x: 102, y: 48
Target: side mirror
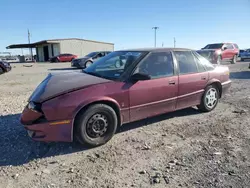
x: 224, y: 48
x: 140, y: 76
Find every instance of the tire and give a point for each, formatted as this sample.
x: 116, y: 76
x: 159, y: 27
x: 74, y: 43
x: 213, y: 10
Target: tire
x: 1, y: 70
x: 219, y: 59
x: 234, y: 60
x: 242, y: 59
x: 204, y: 106
x: 88, y: 63
x: 97, y: 116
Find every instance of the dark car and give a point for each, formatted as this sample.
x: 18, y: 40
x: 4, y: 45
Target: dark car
x: 244, y: 54
x: 92, y: 104
x: 4, y: 67
x: 88, y: 59
x: 219, y: 52
x: 63, y: 58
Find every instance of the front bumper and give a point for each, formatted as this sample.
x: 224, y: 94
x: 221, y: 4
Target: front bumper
x: 225, y: 86
x: 46, y: 131
x: 77, y: 65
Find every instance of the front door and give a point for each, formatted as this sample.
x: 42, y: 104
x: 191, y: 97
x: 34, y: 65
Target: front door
x: 193, y: 78
x: 157, y: 95
x: 46, y: 53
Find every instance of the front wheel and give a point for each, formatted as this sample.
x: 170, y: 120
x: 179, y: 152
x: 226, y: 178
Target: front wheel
x: 97, y: 125
x: 209, y: 99
x: 1, y: 70
x: 234, y: 59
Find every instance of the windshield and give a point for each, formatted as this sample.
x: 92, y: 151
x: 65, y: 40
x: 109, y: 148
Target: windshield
x: 213, y: 46
x: 113, y: 65
x: 92, y: 54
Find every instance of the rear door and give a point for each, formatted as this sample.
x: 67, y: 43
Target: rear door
x: 231, y: 51
x: 193, y: 78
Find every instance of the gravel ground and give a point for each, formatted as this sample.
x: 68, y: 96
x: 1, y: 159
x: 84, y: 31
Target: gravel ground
x: 181, y: 149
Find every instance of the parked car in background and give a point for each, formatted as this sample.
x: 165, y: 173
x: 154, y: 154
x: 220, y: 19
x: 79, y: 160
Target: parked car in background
x: 87, y: 60
x: 63, y: 58
x: 219, y: 52
x: 4, y: 67
x: 244, y: 54
x: 90, y: 105
x: 11, y: 59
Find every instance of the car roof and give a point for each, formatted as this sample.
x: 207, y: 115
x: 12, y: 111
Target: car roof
x: 156, y: 49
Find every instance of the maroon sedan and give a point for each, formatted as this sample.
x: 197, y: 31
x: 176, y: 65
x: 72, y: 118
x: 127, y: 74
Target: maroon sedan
x: 122, y: 87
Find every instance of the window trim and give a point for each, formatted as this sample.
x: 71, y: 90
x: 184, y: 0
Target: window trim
x: 179, y: 73
x: 174, y: 65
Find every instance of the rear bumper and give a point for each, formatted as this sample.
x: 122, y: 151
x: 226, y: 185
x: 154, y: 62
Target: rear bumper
x: 225, y: 86
x: 48, y: 131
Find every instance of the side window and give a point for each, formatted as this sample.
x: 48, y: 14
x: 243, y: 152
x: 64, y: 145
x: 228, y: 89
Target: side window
x: 236, y: 46
x: 157, y: 65
x: 199, y: 65
x: 204, y: 62
x: 230, y: 46
x: 186, y: 61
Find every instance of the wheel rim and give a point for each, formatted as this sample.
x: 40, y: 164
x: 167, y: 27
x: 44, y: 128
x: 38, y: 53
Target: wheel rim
x: 88, y: 64
x: 97, y: 125
x: 211, y: 98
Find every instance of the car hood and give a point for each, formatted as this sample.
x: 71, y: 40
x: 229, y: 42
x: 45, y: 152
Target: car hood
x: 56, y: 84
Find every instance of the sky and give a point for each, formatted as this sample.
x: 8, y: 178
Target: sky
x: 127, y: 23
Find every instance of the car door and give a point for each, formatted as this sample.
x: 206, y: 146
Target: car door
x: 192, y: 79
x: 157, y: 95
x: 62, y: 57
x: 225, y: 52
x: 231, y: 51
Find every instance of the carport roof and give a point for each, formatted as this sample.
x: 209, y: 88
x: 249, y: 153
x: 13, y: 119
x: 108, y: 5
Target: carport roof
x: 31, y: 45
x: 53, y: 41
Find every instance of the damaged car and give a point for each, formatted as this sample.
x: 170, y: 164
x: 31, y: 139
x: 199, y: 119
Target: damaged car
x: 89, y: 106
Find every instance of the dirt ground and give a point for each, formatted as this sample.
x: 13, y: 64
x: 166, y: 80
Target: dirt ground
x: 182, y: 149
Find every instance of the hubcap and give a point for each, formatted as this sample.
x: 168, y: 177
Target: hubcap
x: 97, y: 125
x: 211, y: 98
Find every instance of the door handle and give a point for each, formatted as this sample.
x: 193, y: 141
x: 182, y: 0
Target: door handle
x: 203, y: 78
x: 171, y: 82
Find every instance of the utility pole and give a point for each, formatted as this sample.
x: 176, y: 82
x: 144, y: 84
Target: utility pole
x: 31, y: 53
x: 155, y: 28
x: 174, y: 42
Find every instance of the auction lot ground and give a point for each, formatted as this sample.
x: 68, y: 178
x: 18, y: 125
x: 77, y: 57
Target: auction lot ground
x: 182, y: 149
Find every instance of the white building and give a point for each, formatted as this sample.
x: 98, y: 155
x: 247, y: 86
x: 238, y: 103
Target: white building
x: 48, y: 48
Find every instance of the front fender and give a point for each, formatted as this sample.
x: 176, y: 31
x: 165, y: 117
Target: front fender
x: 95, y: 100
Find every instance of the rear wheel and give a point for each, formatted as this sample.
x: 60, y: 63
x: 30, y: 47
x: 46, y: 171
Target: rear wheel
x: 209, y: 99
x: 234, y: 59
x: 97, y: 125
x: 242, y: 59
